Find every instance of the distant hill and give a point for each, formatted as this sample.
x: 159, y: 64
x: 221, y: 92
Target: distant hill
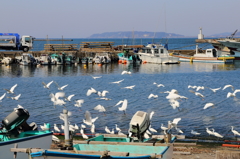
x: 136, y: 34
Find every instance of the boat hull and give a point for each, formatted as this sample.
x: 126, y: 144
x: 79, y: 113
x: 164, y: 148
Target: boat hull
x: 36, y: 141
x: 159, y: 60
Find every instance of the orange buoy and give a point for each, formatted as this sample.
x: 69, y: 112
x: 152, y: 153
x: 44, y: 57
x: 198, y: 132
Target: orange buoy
x: 125, y: 62
x: 144, y: 62
x: 99, y: 64
x: 119, y: 61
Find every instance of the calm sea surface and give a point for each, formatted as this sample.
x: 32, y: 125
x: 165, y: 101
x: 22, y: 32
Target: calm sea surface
x: 36, y: 99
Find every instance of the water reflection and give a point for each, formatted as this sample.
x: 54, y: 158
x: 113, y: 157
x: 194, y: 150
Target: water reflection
x: 76, y: 70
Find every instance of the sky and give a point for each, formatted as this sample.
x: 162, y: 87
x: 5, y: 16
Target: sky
x: 82, y: 18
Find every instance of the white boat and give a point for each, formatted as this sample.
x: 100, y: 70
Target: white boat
x: 209, y: 56
x: 158, y: 54
x: 16, y: 132
x: 46, y: 59
x: 125, y: 58
x: 102, y: 58
x: 26, y: 59
x: 7, y: 60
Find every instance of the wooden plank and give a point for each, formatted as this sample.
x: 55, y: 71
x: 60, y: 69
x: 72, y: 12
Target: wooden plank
x: 178, y: 143
x: 181, y: 153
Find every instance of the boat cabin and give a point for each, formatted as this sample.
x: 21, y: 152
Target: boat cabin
x: 154, y: 49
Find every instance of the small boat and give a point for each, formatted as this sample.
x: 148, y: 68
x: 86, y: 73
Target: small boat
x: 125, y: 57
x: 7, y: 60
x: 15, y: 132
x: 57, y: 59
x: 46, y: 59
x: 102, y: 58
x: 26, y: 59
x: 158, y: 54
x: 84, y: 60
x: 110, y: 146
x: 209, y: 56
x: 90, y: 60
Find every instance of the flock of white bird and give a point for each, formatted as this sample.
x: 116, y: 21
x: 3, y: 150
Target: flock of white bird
x: 60, y: 99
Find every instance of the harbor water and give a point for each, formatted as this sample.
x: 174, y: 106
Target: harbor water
x: 35, y: 98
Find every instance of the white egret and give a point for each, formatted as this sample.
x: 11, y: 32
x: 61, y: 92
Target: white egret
x: 47, y: 85
x: 56, y: 128
x: 175, y: 122
x: 215, y: 89
x: 78, y: 103
x: 209, y: 131
x: 103, y: 93
x: 117, y: 128
x: 11, y: 89
x: 55, y: 98
x: 16, y: 97
x: 151, y: 115
x: 55, y: 138
x: 216, y: 134
x: 88, y: 119
x: 163, y: 127
x: 117, y: 82
x: 83, y: 126
x: 146, y: 136
x: 226, y: 86
x: 152, y: 96
x: 199, y: 94
x: 178, y: 130
x: 1, y: 98
x: 200, y: 87
x: 208, y: 105
x: 108, y: 131
x: 76, y: 127
x: 83, y: 135
x: 69, y: 97
x: 120, y: 133
x: 121, y: 101
x: 235, y: 132
x: 152, y: 129
x: 96, y: 77
x: 92, y: 128
x: 60, y: 88
x: 129, y: 87
x: 174, y: 103
x: 90, y: 91
x: 124, y: 106
x: 44, y: 127
x: 125, y: 72
x: 195, y: 133
x: 233, y: 94
x: 100, y: 108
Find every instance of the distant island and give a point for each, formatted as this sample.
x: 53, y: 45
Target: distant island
x: 147, y: 34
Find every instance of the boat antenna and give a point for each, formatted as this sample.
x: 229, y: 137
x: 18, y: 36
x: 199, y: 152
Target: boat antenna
x: 165, y: 19
x: 230, y: 37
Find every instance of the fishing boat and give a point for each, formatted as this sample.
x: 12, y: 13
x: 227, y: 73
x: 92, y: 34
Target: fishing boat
x: 133, y: 146
x: 102, y: 58
x: 158, y: 54
x: 7, y: 60
x: 84, y: 60
x: 26, y: 59
x: 46, y: 59
x: 125, y: 57
x: 209, y: 56
x: 15, y: 132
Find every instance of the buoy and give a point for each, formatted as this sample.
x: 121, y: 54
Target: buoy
x: 144, y: 62
x: 191, y: 59
x: 119, y: 61
x: 125, y: 62
x: 99, y: 64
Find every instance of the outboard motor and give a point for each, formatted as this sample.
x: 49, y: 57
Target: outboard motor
x: 15, y: 122
x: 139, y: 124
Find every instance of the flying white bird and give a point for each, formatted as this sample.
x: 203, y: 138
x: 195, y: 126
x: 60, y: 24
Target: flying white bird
x: 200, y: 87
x: 195, y: 133
x: 129, y: 87
x: 16, y: 97
x: 96, y: 77
x: 151, y: 115
x: 215, y: 90
x: 76, y: 127
x: 174, y: 96
x: 121, y: 101
x: 152, y: 96
x: 125, y: 72
x: 189, y: 86
x: 158, y: 85
x: 199, y: 94
x: 178, y: 130
x: 103, y: 93
x: 60, y: 88
x: 235, y: 132
x: 117, y: 82
x: 55, y: 98
x: 47, y: 85
x: 175, y: 122
x: 233, y: 94
x: 83, y: 126
x: 100, y: 108
x: 56, y: 128
x: 79, y: 103
x: 163, y: 127
x: 208, y: 105
x: 11, y: 89
x: 88, y: 119
x: 226, y: 86
x: 69, y: 97
x: 124, y: 106
x: 83, y: 135
x: 174, y: 103
x: 1, y: 98
x: 90, y: 91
